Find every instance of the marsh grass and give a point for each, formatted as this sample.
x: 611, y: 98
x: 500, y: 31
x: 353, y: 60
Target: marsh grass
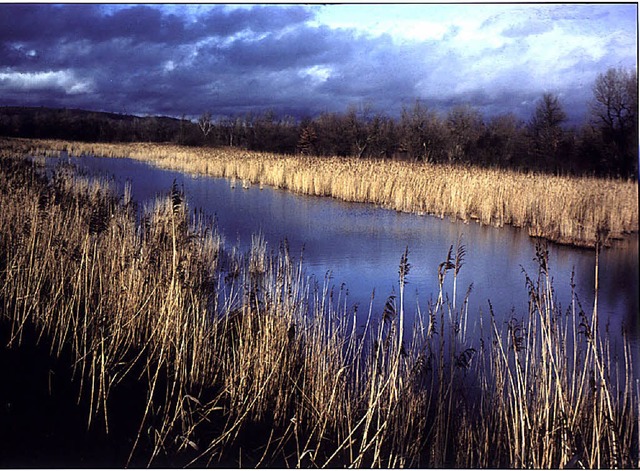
x: 563, y: 209
x: 244, y: 360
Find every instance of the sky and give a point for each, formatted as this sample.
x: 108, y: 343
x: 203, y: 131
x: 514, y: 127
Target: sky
x: 303, y: 60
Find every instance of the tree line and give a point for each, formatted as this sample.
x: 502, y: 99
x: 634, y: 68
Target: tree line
x: 607, y: 144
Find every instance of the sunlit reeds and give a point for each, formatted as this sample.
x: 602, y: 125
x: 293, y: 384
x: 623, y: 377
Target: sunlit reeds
x: 563, y: 209
x: 242, y: 357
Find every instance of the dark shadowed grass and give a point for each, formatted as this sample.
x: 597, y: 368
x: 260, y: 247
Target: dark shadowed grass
x: 239, y: 359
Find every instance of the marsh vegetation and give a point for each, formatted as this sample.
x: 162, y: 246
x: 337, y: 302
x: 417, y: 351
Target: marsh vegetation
x: 241, y: 360
x: 570, y: 210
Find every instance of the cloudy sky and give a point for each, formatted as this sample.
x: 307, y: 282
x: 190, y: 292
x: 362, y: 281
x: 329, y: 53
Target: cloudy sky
x: 306, y: 59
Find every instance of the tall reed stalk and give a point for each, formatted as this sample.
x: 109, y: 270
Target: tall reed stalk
x: 243, y: 359
x: 562, y: 209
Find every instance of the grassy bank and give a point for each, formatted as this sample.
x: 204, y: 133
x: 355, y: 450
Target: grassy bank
x: 240, y: 360
x: 568, y: 210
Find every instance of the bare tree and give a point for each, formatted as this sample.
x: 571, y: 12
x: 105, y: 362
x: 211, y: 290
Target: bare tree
x: 615, y: 102
x: 332, y: 129
x: 356, y: 122
x: 423, y: 133
x: 307, y: 140
x: 465, y: 127
x: 614, y: 114
x: 205, y: 123
x: 505, y: 139
x: 546, y: 129
x: 383, y: 138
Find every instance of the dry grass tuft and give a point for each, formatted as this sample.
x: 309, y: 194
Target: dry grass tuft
x: 243, y: 355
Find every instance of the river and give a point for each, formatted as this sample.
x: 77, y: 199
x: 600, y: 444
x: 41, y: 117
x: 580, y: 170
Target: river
x: 360, y: 246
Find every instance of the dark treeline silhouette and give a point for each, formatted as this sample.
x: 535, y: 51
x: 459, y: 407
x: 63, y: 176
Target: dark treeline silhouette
x: 607, y: 144
x: 88, y: 126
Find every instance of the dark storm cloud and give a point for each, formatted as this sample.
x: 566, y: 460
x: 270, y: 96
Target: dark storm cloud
x: 258, y: 19
x: 187, y: 59
x: 40, y: 22
x: 137, y: 55
x: 299, y: 47
x: 145, y: 59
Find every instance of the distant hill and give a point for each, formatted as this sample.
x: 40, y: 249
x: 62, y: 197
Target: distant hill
x: 94, y: 126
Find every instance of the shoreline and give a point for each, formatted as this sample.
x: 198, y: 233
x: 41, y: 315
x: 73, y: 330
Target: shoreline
x: 266, y: 376
x: 574, y: 211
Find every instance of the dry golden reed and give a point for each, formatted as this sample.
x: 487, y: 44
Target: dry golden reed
x: 564, y: 209
x: 226, y: 343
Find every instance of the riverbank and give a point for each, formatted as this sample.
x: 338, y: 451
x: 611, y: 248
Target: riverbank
x: 576, y: 211
x: 236, y: 359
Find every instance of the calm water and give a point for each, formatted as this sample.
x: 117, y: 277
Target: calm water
x: 361, y: 245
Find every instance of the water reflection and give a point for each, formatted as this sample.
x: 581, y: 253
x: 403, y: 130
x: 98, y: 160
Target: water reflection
x: 362, y: 245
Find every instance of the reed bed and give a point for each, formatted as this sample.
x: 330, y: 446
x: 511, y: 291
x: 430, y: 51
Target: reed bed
x: 246, y: 361
x: 563, y: 209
